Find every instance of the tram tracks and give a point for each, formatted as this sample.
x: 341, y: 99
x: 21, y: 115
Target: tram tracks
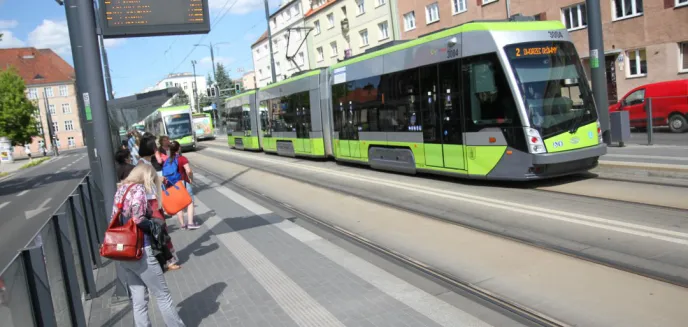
x: 455, y: 284
x: 512, y: 234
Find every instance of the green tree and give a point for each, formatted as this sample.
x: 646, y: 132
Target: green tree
x: 209, y: 80
x: 181, y: 99
x: 222, y: 77
x: 17, y: 113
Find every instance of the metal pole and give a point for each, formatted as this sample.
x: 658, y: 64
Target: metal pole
x: 81, y: 16
x: 648, y: 105
x: 86, y: 125
x: 272, y: 57
x: 106, y: 65
x: 597, y: 67
x: 195, y: 88
x: 508, y: 8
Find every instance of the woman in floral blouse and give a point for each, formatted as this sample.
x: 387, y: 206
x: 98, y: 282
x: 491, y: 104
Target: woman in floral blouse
x: 145, y: 275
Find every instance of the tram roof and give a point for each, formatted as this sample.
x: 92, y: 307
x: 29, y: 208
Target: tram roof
x: 514, y: 26
x: 175, y: 108
x: 292, y: 79
x: 241, y: 95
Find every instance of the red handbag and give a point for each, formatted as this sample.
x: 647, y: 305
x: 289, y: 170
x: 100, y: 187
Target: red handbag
x: 123, y: 242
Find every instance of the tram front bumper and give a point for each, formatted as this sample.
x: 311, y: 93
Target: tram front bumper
x: 550, y: 165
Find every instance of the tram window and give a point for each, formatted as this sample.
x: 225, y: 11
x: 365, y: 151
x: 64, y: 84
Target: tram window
x: 235, y: 119
x: 488, y: 100
x: 449, y: 102
x: 339, y: 97
x: 401, y: 109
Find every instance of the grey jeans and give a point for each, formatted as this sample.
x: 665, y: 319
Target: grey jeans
x: 146, y: 275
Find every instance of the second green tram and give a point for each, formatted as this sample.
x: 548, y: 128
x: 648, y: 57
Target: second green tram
x: 494, y: 100
x: 174, y: 122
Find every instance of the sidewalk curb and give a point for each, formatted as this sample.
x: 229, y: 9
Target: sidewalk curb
x: 644, y: 166
x: 9, y: 175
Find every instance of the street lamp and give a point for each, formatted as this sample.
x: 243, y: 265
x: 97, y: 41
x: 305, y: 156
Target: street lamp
x: 195, y: 86
x: 212, y: 59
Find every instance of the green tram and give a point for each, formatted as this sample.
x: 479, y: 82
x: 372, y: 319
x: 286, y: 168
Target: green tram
x: 174, y: 122
x: 495, y: 100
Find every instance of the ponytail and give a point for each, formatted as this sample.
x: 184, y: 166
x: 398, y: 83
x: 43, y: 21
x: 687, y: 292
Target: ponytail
x: 174, y: 150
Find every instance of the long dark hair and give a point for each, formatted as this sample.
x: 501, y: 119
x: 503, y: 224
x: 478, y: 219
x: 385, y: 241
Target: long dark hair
x: 174, y: 150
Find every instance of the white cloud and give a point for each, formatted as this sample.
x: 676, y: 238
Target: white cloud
x: 239, y: 7
x: 113, y: 43
x: 7, y: 24
x: 9, y: 41
x: 51, y: 34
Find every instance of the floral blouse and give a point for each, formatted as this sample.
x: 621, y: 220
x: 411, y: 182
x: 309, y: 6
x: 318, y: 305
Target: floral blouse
x: 135, y: 205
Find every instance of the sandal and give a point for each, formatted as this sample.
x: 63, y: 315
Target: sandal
x: 174, y: 266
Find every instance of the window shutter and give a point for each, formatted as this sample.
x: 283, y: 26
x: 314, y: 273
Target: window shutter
x: 685, y: 55
x: 669, y: 4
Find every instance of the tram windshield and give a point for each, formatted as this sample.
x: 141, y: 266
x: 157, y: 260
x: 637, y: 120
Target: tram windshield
x: 178, y: 125
x: 553, y: 85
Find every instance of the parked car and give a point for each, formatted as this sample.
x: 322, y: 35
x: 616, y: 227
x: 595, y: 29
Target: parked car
x: 669, y: 105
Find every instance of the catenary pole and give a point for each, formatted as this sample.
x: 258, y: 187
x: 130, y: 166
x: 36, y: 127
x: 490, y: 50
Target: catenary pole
x: 272, y: 57
x: 597, y: 66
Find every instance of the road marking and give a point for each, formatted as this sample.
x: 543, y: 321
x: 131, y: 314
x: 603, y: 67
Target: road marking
x: 34, y: 212
x: 552, y: 214
x: 426, y: 304
x: 4, y: 204
x: 48, y: 178
x: 37, y: 185
x: 23, y: 192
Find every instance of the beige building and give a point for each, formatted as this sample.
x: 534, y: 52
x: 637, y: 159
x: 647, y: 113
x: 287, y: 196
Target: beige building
x: 645, y: 41
x: 248, y: 81
x: 346, y: 28
x: 50, y: 84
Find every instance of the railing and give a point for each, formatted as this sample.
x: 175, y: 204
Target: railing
x: 47, y: 282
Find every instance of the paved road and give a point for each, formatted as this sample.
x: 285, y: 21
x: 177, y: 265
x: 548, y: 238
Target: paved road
x: 661, y: 136
x: 578, y: 219
x: 28, y: 198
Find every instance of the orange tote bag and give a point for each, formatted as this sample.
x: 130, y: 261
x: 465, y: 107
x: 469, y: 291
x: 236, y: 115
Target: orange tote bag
x: 175, y: 198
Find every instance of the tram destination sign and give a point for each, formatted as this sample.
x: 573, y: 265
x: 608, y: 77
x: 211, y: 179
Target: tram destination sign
x: 135, y: 18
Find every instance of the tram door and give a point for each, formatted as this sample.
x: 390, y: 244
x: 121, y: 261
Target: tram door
x: 441, y: 113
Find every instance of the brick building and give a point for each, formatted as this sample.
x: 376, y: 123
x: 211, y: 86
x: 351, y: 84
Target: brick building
x: 50, y: 81
x: 645, y: 41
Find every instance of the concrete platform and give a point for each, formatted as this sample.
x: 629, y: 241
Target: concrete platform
x: 250, y: 266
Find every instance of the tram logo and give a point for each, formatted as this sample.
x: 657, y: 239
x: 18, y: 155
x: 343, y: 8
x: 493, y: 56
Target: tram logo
x: 558, y: 144
x: 575, y: 140
x: 590, y: 135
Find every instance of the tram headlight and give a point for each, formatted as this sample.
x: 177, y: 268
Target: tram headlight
x: 535, y: 144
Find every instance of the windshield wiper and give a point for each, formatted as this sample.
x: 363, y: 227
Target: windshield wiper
x: 576, y: 123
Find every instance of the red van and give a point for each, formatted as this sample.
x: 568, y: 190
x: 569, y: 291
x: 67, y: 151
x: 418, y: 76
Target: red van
x: 669, y: 105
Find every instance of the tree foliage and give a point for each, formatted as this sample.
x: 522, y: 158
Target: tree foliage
x: 17, y: 113
x: 181, y: 99
x: 209, y: 79
x: 222, y: 77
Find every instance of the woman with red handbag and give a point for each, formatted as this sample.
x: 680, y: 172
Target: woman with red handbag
x: 144, y: 275
x: 147, y: 151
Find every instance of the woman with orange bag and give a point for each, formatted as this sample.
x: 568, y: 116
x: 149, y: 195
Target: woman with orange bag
x: 186, y: 175
x: 147, y: 150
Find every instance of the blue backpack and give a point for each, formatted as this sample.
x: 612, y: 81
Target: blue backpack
x: 170, y: 170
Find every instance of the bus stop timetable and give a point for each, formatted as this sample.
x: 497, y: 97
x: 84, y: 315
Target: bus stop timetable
x: 121, y: 13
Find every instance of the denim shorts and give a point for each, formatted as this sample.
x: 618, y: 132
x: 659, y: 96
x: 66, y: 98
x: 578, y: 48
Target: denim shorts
x: 189, y: 188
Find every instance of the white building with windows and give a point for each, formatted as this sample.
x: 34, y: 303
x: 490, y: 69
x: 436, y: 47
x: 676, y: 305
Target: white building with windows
x: 184, y: 81
x: 346, y: 28
x: 290, y: 51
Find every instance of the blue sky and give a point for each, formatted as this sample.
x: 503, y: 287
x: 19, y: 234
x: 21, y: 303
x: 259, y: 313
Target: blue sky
x: 137, y: 63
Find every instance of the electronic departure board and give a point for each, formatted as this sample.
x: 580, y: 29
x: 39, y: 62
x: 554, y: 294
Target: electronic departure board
x: 133, y: 18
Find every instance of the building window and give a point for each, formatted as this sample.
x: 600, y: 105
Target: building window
x: 316, y: 24
x: 575, y: 17
x: 321, y: 54
x: 64, y: 91
x: 186, y: 85
x: 330, y: 20
x: 66, y: 108
x: 627, y: 8
x: 364, y: 37
x: 384, y: 30
x: 410, y: 21
x: 432, y: 13
x: 637, y: 63
x: 48, y: 92
x: 488, y: 1
x: 458, y: 6
x: 680, y: 3
x: 70, y: 142
x: 302, y: 59
x: 278, y: 70
x: 361, y: 6
x: 56, y: 127
x: 683, y: 57
x: 51, y: 108
x: 381, y: 2
x: 333, y: 49
x: 33, y: 94
x: 69, y: 126
x: 295, y: 10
